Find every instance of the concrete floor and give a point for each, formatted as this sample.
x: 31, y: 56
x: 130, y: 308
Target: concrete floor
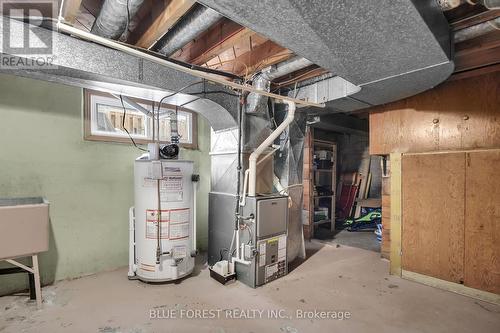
x: 332, y: 279
x: 365, y: 239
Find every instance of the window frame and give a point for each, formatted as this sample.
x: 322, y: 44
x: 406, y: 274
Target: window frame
x: 87, y: 123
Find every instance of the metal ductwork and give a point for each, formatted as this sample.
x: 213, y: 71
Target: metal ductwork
x: 489, y: 4
x: 114, y: 17
x: 392, y: 49
x: 257, y: 103
x: 286, y: 67
x: 93, y: 66
x: 477, y: 30
x: 188, y: 28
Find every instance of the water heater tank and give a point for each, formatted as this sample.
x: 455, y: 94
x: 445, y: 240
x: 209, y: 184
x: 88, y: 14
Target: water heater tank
x: 163, y: 197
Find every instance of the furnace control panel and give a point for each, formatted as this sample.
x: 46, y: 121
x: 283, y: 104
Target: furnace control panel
x: 271, y: 259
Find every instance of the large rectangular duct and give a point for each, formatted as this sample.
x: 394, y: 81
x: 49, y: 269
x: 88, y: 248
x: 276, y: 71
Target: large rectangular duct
x: 89, y: 65
x: 392, y: 49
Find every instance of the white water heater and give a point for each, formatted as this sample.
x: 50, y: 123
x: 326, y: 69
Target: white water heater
x: 162, y: 229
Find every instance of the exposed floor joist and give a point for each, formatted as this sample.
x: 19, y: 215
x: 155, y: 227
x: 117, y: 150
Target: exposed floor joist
x: 475, y: 19
x: 221, y: 37
x: 230, y: 47
x: 478, y: 52
x: 260, y: 56
x: 165, y: 21
x: 70, y: 10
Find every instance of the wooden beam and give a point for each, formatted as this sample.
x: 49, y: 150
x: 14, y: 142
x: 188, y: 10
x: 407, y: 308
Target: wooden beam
x: 223, y: 45
x: 265, y: 54
x: 301, y: 75
x: 486, y: 41
x: 474, y: 72
x: 70, y: 10
x: 451, y: 286
x: 166, y: 20
x: 395, y: 255
x: 217, y: 39
x: 464, y: 11
x: 478, y: 52
x: 475, y: 19
x: 62, y: 27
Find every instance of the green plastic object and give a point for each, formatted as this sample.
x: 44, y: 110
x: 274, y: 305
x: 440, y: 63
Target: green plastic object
x: 367, y: 218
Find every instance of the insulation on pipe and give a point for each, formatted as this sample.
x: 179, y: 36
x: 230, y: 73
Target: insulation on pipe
x: 477, y: 30
x: 188, y: 28
x: 257, y: 103
x: 114, y: 17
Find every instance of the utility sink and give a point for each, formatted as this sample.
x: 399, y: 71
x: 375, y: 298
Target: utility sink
x: 24, y: 227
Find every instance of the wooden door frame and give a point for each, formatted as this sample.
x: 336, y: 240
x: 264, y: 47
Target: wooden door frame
x: 396, y: 237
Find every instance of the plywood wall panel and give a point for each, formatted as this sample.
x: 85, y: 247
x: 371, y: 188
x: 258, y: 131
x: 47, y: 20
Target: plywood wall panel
x: 433, y: 194
x: 482, y: 221
x: 459, y: 114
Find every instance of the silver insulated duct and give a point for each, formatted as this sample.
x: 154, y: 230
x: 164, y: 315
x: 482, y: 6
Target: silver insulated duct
x: 256, y: 103
x: 188, y: 28
x: 113, y: 17
x: 286, y: 67
x: 477, y: 30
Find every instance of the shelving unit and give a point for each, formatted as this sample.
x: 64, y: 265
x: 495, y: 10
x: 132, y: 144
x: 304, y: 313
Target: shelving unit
x: 325, y: 178
x: 313, y: 177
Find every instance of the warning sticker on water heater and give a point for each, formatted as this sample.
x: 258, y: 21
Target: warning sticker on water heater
x: 171, y: 188
x: 174, y: 223
x: 152, y: 223
x: 179, y: 230
x: 179, y: 223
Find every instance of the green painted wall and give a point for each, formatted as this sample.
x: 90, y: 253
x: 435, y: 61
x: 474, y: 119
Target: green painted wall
x: 89, y: 184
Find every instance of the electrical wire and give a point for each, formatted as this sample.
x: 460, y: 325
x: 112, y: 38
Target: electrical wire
x: 173, y: 94
x: 83, y: 25
x: 220, y: 64
x: 167, y: 96
x: 224, y: 250
x: 123, y: 126
x: 191, y: 101
x: 215, y: 92
x: 284, y: 190
x: 250, y: 235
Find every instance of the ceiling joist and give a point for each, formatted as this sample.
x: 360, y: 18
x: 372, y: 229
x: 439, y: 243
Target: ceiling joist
x: 70, y: 10
x: 260, y: 56
x: 164, y: 22
x: 221, y: 37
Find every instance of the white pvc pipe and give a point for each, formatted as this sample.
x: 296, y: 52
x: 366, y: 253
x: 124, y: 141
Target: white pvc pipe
x: 242, y: 261
x: 252, y: 181
x: 131, y: 242
x: 194, y: 216
x: 243, y: 201
x: 238, y: 242
x: 62, y: 27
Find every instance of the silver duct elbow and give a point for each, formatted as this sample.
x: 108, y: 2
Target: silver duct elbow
x: 257, y: 103
x: 188, y: 28
x: 113, y: 17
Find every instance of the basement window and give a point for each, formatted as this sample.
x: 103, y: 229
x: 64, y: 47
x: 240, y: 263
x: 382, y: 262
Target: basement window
x: 106, y: 120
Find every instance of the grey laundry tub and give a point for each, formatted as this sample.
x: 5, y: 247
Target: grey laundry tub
x: 24, y: 231
x: 24, y: 227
